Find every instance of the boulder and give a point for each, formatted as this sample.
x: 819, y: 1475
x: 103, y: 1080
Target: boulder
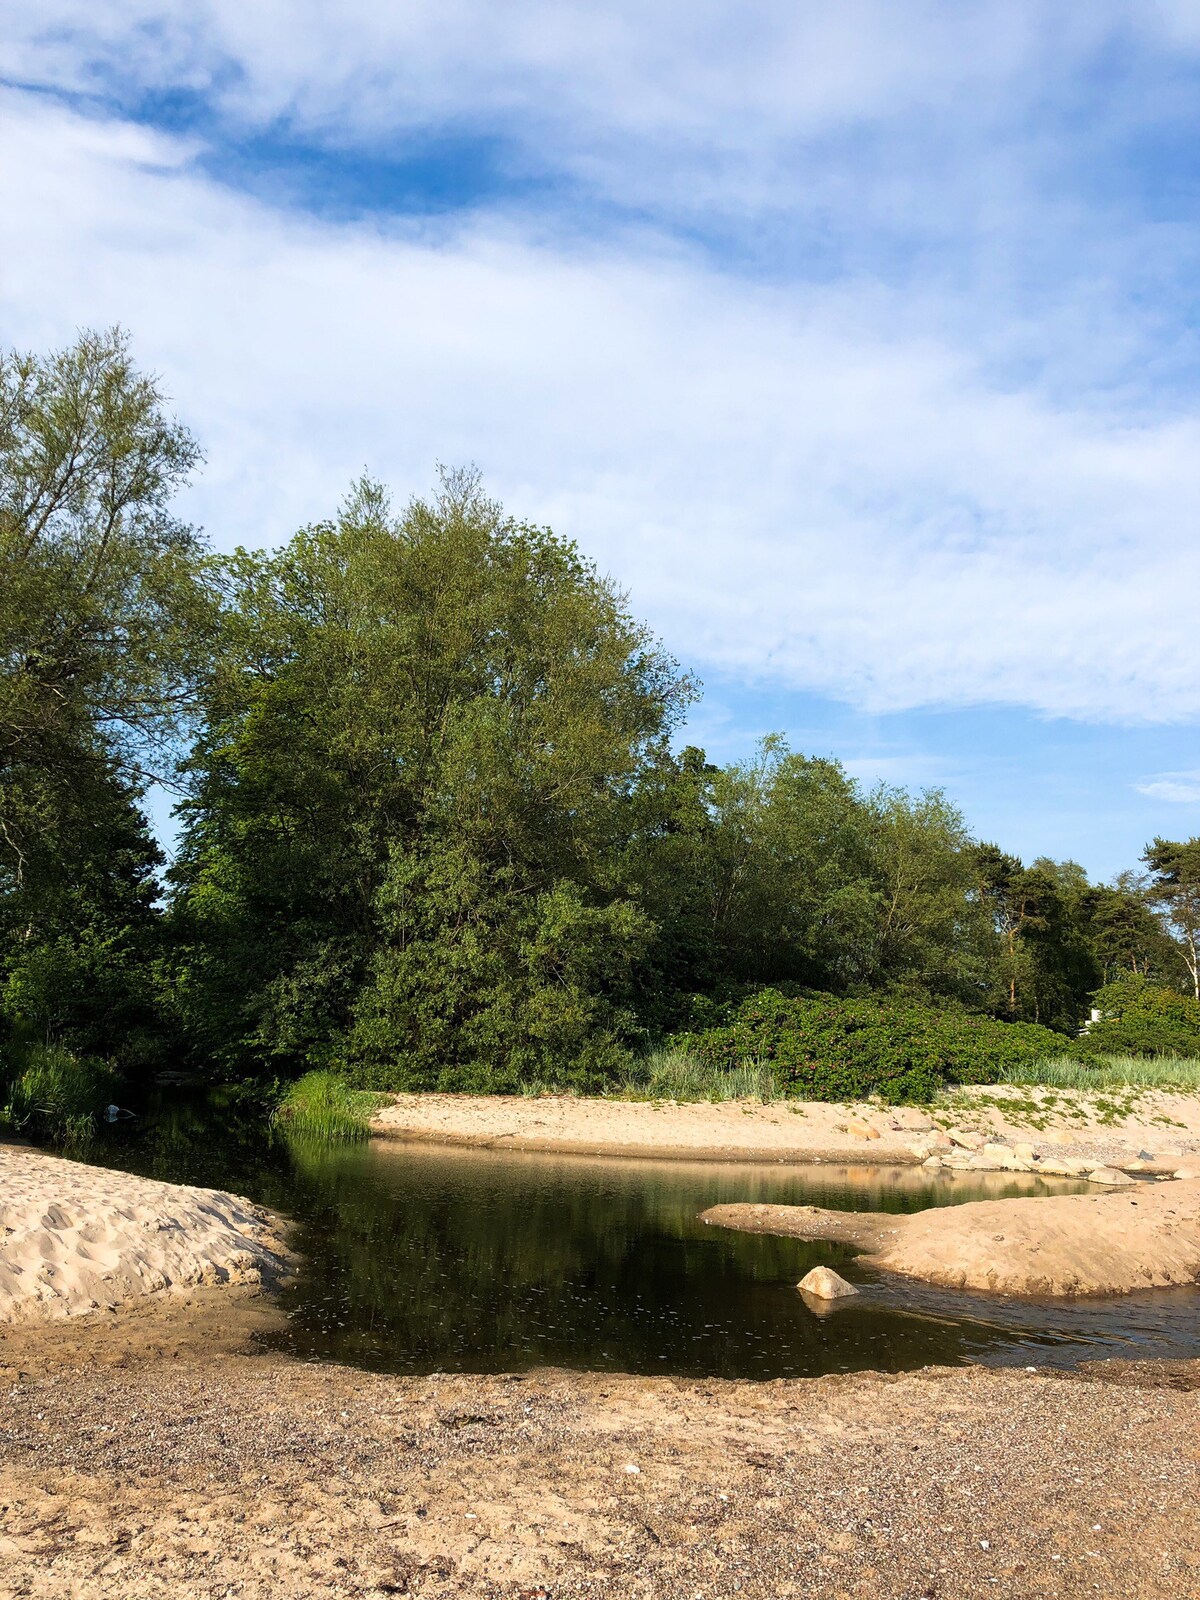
x: 932, y: 1162
x: 911, y: 1120
x: 823, y: 1283
x: 862, y: 1130
x: 1110, y: 1177
x: 965, y: 1140
x: 1025, y: 1152
x: 1189, y: 1171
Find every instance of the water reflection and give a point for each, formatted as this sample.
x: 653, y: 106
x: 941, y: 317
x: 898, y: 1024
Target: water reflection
x: 422, y: 1258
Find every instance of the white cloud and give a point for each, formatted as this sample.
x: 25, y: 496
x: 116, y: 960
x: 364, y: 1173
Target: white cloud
x: 1182, y: 788
x: 802, y: 484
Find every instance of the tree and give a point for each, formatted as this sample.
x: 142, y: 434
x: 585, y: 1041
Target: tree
x: 1126, y: 935
x: 1043, y: 964
x: 1174, y: 867
x: 412, y: 797
x: 103, y: 637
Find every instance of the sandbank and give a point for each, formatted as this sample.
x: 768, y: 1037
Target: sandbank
x: 1144, y: 1237
x: 1097, y: 1128
x: 76, y: 1238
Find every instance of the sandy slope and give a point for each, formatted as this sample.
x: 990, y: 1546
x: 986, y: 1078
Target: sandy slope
x: 75, y: 1238
x: 1140, y: 1238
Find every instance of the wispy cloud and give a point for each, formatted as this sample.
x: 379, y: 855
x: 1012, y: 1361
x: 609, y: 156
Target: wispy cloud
x: 1182, y: 788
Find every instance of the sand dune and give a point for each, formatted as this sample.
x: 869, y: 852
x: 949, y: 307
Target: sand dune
x: 76, y: 1238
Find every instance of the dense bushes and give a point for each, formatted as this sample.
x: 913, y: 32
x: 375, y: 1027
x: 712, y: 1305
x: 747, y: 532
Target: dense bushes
x: 826, y: 1048
x: 1143, y: 1019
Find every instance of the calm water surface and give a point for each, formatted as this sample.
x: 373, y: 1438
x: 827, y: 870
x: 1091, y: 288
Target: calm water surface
x: 423, y: 1259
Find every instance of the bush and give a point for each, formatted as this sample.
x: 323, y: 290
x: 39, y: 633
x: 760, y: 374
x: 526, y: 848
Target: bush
x: 826, y: 1048
x: 1141, y: 1019
x: 52, y: 1094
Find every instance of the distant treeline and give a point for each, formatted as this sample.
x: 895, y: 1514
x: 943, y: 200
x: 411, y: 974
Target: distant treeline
x: 435, y: 827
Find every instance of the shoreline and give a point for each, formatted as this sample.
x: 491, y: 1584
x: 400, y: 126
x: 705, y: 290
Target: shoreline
x: 1061, y: 1130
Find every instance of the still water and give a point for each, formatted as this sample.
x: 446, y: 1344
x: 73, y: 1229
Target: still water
x: 424, y: 1259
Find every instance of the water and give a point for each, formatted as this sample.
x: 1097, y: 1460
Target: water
x: 424, y: 1259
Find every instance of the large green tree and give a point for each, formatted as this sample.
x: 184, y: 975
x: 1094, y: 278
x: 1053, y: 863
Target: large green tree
x: 1174, y: 886
x: 413, y: 797
x: 103, y: 637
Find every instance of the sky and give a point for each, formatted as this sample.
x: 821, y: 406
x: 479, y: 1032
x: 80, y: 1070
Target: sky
x: 857, y: 342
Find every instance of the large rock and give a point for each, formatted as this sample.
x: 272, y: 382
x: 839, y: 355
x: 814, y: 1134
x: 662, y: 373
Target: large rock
x: 911, y: 1120
x: 862, y: 1130
x: 826, y: 1284
x: 1111, y: 1177
x: 965, y: 1140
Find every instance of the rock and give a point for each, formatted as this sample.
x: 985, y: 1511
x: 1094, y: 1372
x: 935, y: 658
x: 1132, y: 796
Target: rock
x: 826, y: 1284
x: 966, y: 1141
x: 911, y: 1120
x: 932, y: 1162
x: 1109, y: 1176
x: 1188, y: 1172
x: 862, y: 1130
x: 1025, y: 1152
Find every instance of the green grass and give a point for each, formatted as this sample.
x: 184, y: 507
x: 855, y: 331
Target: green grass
x: 321, y: 1106
x: 1110, y: 1072
x: 673, y: 1075
x: 53, y: 1095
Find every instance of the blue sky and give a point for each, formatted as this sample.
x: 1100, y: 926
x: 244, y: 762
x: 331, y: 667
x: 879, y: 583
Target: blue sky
x: 858, y: 342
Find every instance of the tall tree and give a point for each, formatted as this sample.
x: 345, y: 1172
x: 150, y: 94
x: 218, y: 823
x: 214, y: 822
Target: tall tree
x: 412, y: 795
x: 1174, y: 867
x: 103, y: 611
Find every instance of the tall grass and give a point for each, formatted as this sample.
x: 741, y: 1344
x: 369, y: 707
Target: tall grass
x: 54, y: 1095
x: 321, y: 1106
x: 1109, y: 1072
x: 674, y: 1075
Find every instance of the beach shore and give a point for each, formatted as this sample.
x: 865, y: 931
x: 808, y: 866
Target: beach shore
x: 145, y: 1457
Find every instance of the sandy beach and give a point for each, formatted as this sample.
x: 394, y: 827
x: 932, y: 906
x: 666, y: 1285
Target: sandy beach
x: 145, y: 1458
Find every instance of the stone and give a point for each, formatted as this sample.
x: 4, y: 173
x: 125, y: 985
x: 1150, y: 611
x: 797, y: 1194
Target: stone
x: 1110, y: 1176
x: 826, y: 1284
x: 1025, y: 1152
x: 912, y: 1120
x: 966, y: 1141
x: 932, y: 1162
x: 1188, y: 1172
x: 862, y: 1130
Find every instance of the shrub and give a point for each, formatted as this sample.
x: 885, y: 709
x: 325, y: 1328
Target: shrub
x: 52, y: 1094
x: 1142, y: 1019
x: 826, y: 1048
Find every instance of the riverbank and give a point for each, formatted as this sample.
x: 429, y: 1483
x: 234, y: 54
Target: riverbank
x: 209, y: 1471
x: 76, y: 1239
x: 1115, y: 1128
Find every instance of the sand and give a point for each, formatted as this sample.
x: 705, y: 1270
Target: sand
x: 1096, y: 1127
x: 1144, y: 1237
x: 182, y: 1469
x: 77, y: 1239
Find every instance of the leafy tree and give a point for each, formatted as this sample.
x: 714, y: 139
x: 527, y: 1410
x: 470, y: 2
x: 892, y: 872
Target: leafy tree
x: 1174, y: 867
x: 1125, y: 934
x: 411, y: 799
x: 102, y: 639
x: 1044, y: 967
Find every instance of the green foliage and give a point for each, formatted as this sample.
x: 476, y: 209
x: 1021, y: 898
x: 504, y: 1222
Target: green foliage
x: 1143, y: 1019
x: 411, y: 803
x: 47, y: 1092
x: 826, y: 1048
x: 321, y: 1106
